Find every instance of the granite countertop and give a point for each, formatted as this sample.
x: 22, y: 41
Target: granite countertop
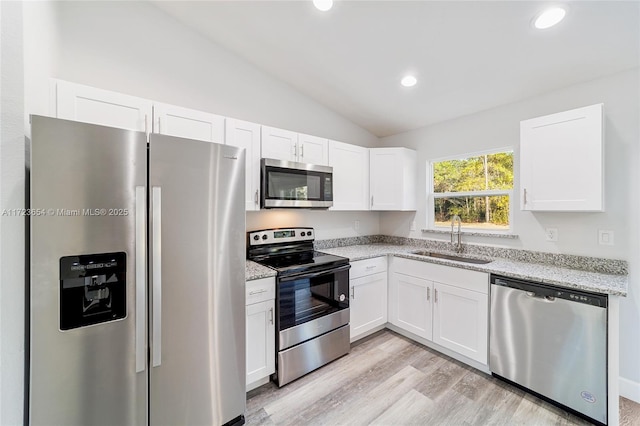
x: 549, y: 274
x: 255, y: 271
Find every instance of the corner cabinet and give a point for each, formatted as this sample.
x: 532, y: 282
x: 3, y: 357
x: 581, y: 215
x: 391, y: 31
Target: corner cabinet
x: 393, y: 176
x: 368, y: 296
x: 562, y: 161
x: 445, y: 305
x: 350, y: 176
x: 260, y: 331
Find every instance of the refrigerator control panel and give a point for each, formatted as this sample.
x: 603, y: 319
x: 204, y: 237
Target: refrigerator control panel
x: 92, y: 289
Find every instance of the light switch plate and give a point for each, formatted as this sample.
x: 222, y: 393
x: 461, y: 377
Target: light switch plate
x: 551, y: 234
x: 605, y: 238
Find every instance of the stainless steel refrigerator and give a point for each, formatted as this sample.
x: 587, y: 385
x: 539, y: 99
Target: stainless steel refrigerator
x: 136, y: 278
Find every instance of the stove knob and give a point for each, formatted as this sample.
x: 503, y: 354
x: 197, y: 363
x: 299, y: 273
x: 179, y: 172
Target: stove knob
x: 256, y: 237
x: 264, y: 237
x: 309, y: 233
x: 302, y: 234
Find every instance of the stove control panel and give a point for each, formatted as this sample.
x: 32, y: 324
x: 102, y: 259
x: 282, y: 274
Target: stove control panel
x: 280, y: 235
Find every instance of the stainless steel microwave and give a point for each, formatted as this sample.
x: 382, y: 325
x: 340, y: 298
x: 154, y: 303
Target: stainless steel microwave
x: 287, y: 184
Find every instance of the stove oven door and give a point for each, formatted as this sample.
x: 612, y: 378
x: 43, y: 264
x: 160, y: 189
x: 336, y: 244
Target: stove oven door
x: 311, y: 304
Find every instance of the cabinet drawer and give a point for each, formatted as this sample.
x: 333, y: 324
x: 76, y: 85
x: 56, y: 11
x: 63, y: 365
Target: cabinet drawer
x: 361, y: 268
x: 260, y: 290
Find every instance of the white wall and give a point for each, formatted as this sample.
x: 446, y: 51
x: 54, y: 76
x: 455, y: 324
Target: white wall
x: 327, y: 224
x: 11, y: 227
x: 577, y: 232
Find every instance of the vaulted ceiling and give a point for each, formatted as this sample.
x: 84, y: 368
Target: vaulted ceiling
x: 467, y: 55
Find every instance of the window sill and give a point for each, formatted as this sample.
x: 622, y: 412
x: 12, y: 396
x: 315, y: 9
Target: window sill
x: 473, y: 233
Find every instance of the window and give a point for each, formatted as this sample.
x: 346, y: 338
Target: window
x: 477, y: 188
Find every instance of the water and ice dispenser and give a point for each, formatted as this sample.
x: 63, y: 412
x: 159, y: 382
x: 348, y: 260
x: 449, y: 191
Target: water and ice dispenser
x: 92, y: 289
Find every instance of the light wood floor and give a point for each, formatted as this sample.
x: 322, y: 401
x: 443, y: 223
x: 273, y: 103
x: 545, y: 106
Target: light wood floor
x: 390, y: 380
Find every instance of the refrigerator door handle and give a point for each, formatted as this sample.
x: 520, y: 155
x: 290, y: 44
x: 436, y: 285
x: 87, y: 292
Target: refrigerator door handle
x: 156, y: 337
x: 141, y: 279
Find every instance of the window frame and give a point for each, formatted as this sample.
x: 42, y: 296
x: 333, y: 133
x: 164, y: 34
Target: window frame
x: 432, y: 195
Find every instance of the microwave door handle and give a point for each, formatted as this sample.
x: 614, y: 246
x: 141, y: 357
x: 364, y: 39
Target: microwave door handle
x: 315, y: 274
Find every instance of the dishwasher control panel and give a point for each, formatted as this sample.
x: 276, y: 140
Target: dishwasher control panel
x: 551, y: 292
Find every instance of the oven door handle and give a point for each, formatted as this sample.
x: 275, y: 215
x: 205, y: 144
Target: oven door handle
x: 314, y: 274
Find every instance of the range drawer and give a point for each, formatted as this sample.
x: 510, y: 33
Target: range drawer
x: 361, y: 268
x: 260, y: 290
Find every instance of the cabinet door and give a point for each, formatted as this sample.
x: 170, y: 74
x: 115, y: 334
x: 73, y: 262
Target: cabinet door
x: 279, y: 144
x: 561, y: 161
x: 261, y: 347
x: 461, y: 320
x: 247, y: 135
x: 350, y: 176
x: 393, y: 174
x: 410, y: 304
x: 368, y: 303
x: 188, y: 123
x: 313, y: 150
x: 90, y: 105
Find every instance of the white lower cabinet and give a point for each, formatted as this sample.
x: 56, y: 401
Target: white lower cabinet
x: 368, y: 296
x: 446, y: 305
x: 410, y: 304
x: 460, y: 321
x: 260, y: 331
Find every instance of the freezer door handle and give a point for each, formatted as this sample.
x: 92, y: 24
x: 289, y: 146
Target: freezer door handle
x: 156, y: 254
x: 141, y: 278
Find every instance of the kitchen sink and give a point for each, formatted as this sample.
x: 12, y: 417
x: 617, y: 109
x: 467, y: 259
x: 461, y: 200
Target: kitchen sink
x: 451, y: 257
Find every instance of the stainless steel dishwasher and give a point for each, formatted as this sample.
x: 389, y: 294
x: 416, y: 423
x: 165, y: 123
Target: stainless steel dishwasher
x: 552, y: 341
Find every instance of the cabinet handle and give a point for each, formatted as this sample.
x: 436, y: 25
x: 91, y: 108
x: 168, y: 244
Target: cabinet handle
x: 260, y: 290
x: 295, y: 151
x: 301, y: 151
x: 525, y: 196
x: 372, y: 201
x: 371, y: 267
x: 435, y: 295
x: 271, y: 315
x: 428, y: 293
x: 145, y: 124
x: 353, y: 293
x: 257, y: 201
x: 159, y: 131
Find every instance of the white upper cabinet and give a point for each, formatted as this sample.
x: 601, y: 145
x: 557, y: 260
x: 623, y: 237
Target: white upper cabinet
x: 313, y: 150
x: 181, y: 122
x: 279, y: 144
x: 244, y: 134
x: 350, y: 176
x: 90, y: 105
x: 393, y: 175
x: 562, y: 161
x: 286, y: 145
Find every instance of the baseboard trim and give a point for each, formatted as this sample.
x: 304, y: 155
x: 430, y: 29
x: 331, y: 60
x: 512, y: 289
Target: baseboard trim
x: 630, y: 389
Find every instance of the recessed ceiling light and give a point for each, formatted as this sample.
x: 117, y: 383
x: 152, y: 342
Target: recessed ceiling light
x: 323, y: 5
x: 549, y: 18
x: 408, y: 81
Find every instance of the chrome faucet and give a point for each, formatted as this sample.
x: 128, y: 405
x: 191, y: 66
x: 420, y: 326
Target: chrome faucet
x: 457, y: 245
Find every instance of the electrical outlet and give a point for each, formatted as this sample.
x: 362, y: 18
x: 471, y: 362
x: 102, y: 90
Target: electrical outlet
x: 356, y: 225
x: 551, y: 234
x: 605, y: 238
